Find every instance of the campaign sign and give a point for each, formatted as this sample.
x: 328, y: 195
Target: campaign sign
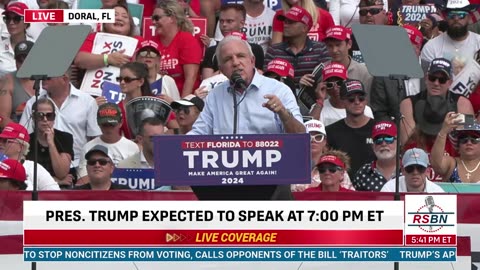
x: 112, y: 92
x: 199, y: 27
x: 143, y: 179
x: 430, y: 220
x: 414, y: 14
x: 106, y: 43
x: 270, y: 159
x: 156, y: 87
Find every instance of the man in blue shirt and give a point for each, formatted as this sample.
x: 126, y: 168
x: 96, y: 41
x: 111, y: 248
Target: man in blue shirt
x: 261, y: 106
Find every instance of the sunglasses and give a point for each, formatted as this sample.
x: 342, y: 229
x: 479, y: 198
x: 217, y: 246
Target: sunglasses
x: 373, y: 11
x: 457, y: 14
x: 108, y: 125
x: 148, y: 53
x: 5, y: 141
x: 318, y: 138
x: 473, y: 140
x: 418, y: 168
x: 101, y: 161
x: 441, y: 80
x: 331, y: 85
x: 50, y: 116
x: 331, y: 169
x: 387, y: 140
x: 185, y: 109
x: 126, y: 79
x: 352, y: 99
x: 15, y: 19
x: 158, y: 17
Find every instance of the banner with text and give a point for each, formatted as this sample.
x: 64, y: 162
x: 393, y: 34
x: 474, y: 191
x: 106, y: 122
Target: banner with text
x: 270, y: 159
x: 414, y: 14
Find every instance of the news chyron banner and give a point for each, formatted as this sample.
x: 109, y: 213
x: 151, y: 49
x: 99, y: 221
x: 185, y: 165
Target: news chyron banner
x: 232, y: 231
x: 73, y: 16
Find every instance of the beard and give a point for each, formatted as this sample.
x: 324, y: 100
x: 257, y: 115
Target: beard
x: 384, y: 154
x: 457, y: 31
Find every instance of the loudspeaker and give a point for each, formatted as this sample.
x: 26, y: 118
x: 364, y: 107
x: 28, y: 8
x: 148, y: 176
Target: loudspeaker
x: 243, y: 193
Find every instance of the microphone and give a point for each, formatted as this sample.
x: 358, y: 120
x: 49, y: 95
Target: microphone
x: 238, y: 82
x: 430, y: 203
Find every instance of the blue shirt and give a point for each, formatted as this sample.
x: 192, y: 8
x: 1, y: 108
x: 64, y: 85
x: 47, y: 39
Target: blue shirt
x: 253, y: 118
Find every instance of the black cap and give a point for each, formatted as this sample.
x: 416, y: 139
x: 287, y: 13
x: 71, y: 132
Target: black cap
x: 23, y: 48
x: 98, y: 149
x: 190, y: 100
x: 440, y: 65
x: 350, y: 86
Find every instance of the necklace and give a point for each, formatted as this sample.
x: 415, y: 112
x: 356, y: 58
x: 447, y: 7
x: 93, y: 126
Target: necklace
x: 468, y: 174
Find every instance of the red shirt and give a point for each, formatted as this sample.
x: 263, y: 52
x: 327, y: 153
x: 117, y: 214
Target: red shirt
x: 319, y: 188
x: 317, y: 33
x: 184, y: 49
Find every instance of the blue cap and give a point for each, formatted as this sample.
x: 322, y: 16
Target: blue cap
x: 415, y: 156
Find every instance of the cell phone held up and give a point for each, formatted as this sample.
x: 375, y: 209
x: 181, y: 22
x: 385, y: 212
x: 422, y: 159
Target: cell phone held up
x: 464, y: 119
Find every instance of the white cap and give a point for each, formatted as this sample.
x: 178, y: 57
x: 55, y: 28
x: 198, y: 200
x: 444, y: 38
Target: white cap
x: 453, y: 4
x: 315, y: 125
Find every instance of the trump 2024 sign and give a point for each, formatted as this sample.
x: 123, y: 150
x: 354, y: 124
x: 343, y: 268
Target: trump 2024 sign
x: 232, y: 159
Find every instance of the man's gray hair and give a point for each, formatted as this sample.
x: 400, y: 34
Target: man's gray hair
x: 227, y: 40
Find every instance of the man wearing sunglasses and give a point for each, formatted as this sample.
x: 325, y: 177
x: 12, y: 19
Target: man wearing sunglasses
x: 415, y: 174
x: 372, y: 12
x: 99, y: 170
x: 353, y: 134
x: 373, y: 175
x: 333, y: 109
x: 109, y: 118
x: 426, y: 110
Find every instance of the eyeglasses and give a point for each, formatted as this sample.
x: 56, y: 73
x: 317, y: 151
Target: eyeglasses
x: 127, y: 79
x: 457, y: 14
x: 373, y: 11
x: 318, y: 138
x: 158, y: 17
x: 39, y: 116
x: 418, y: 168
x: 15, y: 19
x: 108, y: 125
x: 330, y: 85
x: 473, y: 140
x: 352, y: 99
x: 101, y: 161
x: 331, y: 169
x: 441, y: 80
x: 386, y: 139
x: 148, y: 53
x: 185, y: 109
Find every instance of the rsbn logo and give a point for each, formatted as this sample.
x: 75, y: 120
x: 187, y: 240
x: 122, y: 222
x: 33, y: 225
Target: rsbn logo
x: 430, y: 217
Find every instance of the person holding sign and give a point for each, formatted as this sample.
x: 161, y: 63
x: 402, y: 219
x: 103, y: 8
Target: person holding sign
x: 181, y: 52
x: 149, y: 54
x: 123, y: 26
x: 261, y: 105
x: 133, y: 82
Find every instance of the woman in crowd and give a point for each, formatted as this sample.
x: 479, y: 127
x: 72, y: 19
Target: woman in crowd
x: 466, y: 167
x: 322, y: 20
x: 181, y: 52
x: 134, y: 83
x: 344, y: 12
x: 332, y: 167
x: 149, y: 55
x: 187, y: 111
x: 55, y: 147
x: 17, y: 30
x: 123, y: 26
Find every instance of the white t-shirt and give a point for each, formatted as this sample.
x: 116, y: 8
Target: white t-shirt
x: 430, y: 187
x: 330, y: 114
x: 211, y: 82
x: 344, y: 12
x: 117, y: 151
x: 169, y: 87
x: 258, y: 29
x: 45, y: 180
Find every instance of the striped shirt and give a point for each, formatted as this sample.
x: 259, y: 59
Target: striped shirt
x: 303, y: 62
